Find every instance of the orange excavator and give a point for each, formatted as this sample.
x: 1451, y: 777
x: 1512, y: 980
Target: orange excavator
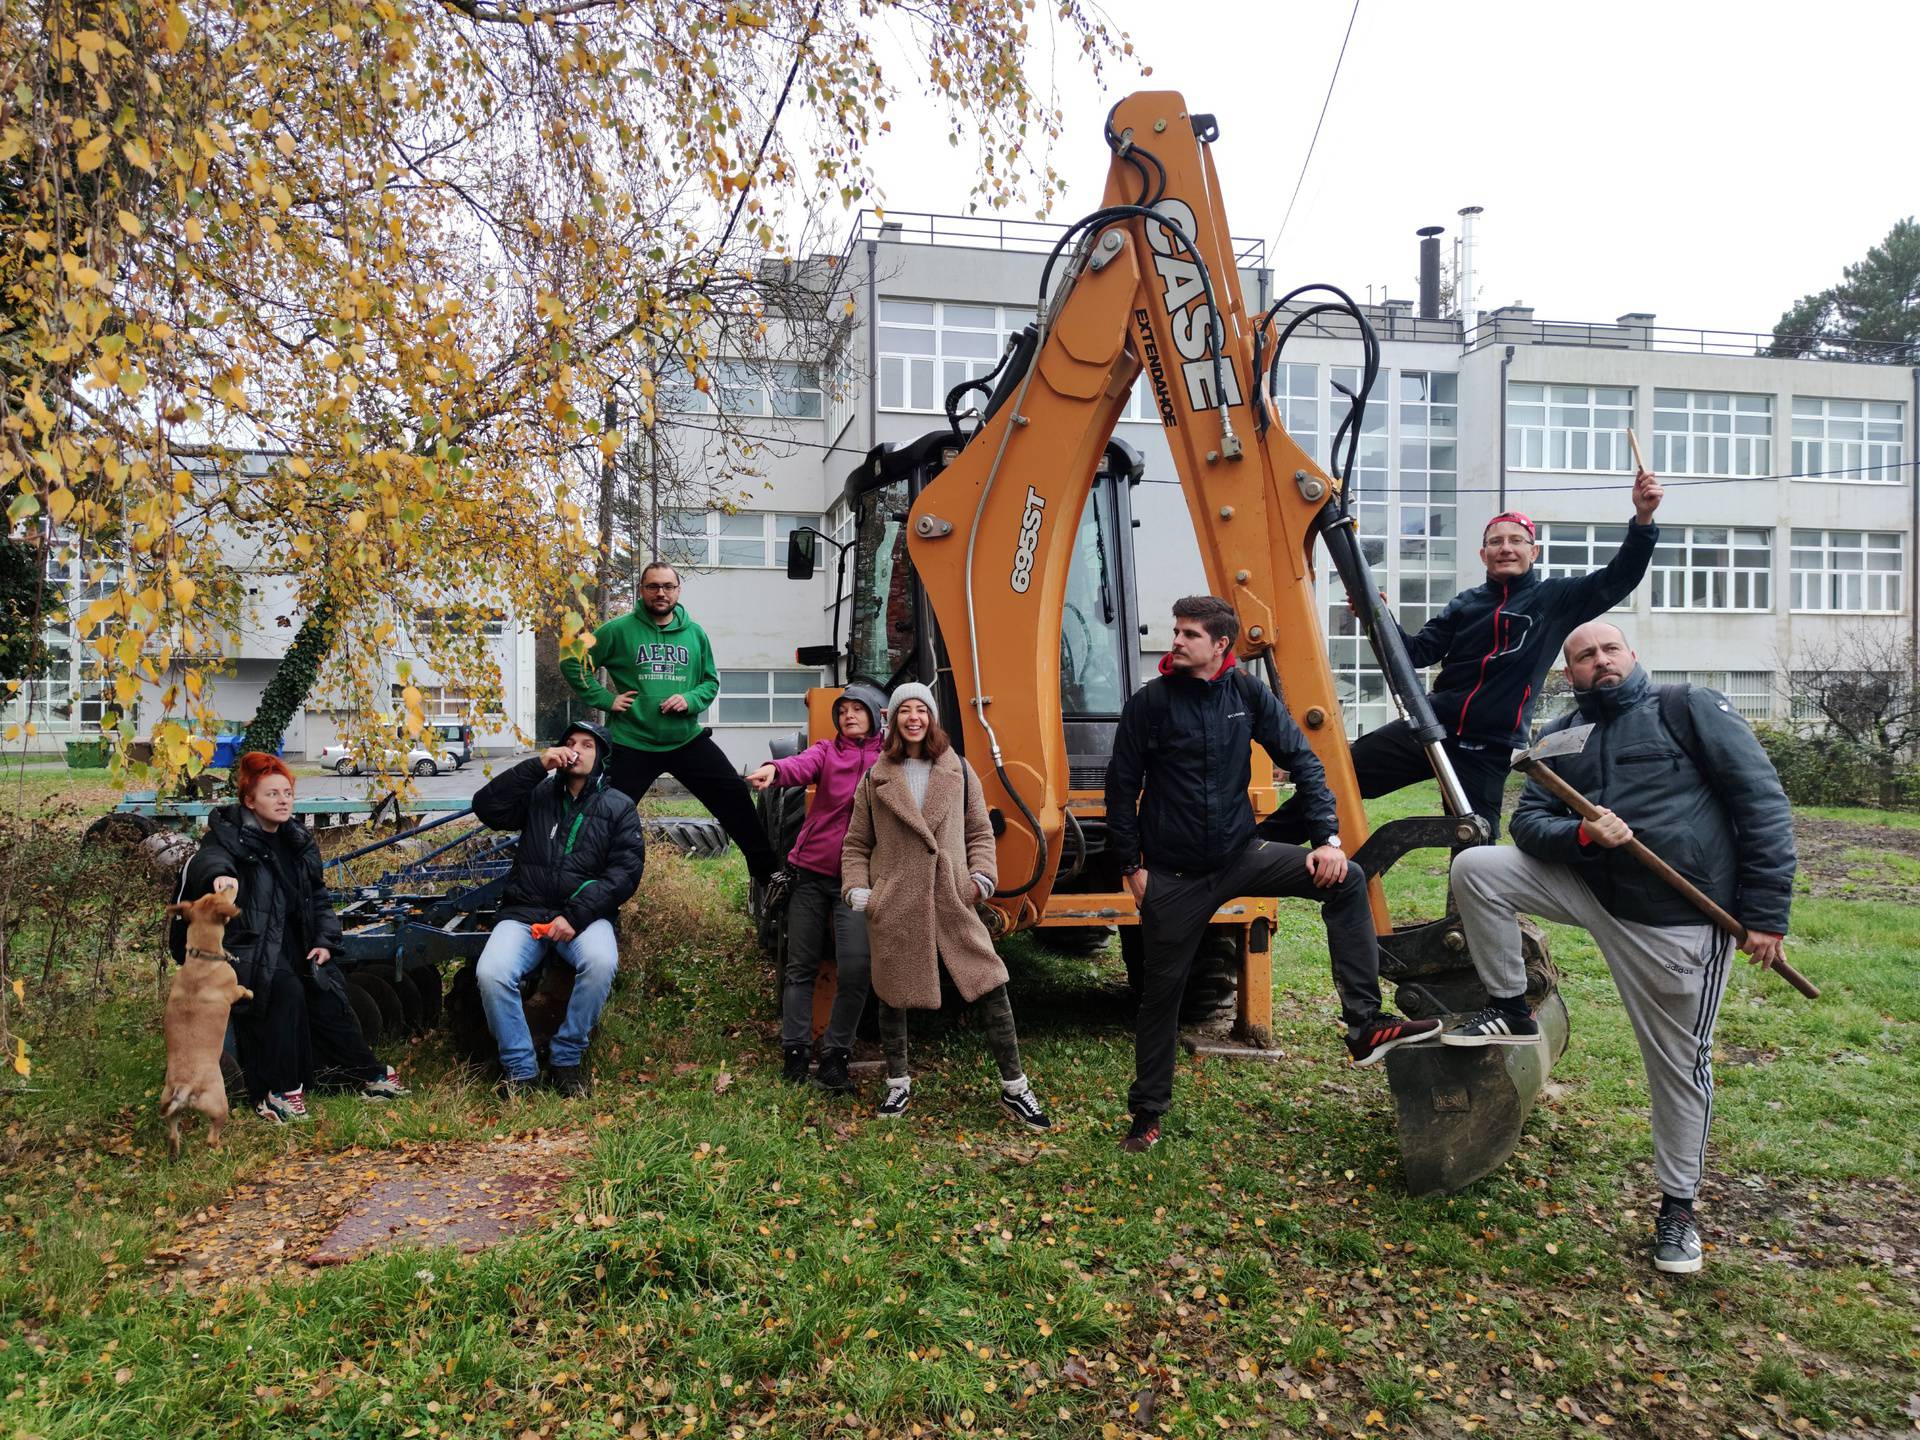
x: 994, y: 563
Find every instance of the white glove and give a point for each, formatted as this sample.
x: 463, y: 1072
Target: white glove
x: 858, y: 896
x: 984, y: 885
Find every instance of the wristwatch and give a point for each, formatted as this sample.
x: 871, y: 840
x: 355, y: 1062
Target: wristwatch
x: 1333, y: 840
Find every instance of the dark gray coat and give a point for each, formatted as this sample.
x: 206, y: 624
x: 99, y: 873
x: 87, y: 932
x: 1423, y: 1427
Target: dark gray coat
x: 1728, y: 827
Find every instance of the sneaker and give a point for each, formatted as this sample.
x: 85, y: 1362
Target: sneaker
x: 387, y: 1087
x: 899, y: 1096
x: 284, y: 1107
x: 571, y: 1081
x: 516, y: 1087
x: 1144, y: 1135
x: 833, y: 1071
x: 1025, y: 1108
x: 795, y: 1059
x: 1367, y: 1043
x: 1493, y: 1026
x: 1676, y: 1243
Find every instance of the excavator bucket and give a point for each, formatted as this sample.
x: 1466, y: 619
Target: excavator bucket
x: 1460, y: 1111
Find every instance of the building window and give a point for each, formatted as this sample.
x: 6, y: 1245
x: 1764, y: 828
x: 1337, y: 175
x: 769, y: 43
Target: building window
x: 1296, y: 396
x: 746, y: 539
x: 1703, y: 432
x: 1857, y: 571
x: 1568, y: 550
x: 1706, y: 567
x: 1568, y: 427
x: 1847, y: 691
x: 1428, y: 492
x: 779, y: 388
x: 926, y: 347
x: 1847, y: 440
x: 762, y: 697
x: 1750, y: 692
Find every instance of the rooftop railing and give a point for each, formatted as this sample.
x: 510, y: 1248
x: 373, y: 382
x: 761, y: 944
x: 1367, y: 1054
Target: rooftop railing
x: 1517, y: 326
x: 987, y: 232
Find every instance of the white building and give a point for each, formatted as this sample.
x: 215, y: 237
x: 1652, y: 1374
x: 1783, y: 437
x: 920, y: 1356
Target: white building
x: 1789, y: 514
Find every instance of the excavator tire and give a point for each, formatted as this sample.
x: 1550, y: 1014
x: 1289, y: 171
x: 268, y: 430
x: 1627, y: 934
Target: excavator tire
x: 1213, y: 984
x: 696, y: 838
x: 1077, y: 940
x: 781, y: 811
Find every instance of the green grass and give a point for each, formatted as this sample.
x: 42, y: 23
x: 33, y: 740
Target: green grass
x: 756, y: 1260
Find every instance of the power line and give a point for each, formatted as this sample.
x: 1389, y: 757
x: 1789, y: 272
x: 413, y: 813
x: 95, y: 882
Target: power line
x: 1317, y: 124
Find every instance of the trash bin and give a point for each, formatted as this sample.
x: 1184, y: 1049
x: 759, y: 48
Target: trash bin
x: 86, y: 754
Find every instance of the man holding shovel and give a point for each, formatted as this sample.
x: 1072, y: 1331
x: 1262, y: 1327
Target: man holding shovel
x: 1695, y: 788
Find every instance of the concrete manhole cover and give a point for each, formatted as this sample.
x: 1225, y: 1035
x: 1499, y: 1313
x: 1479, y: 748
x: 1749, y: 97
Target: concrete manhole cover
x: 338, y: 1208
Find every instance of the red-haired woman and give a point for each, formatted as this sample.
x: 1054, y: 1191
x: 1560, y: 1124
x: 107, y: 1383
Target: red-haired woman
x: 299, y: 1028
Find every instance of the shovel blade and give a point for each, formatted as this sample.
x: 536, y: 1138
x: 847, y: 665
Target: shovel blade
x: 1562, y: 742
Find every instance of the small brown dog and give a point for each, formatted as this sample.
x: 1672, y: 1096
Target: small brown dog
x: 203, y: 993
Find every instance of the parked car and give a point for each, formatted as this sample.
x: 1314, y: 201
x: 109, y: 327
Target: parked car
x: 416, y: 759
x: 453, y: 736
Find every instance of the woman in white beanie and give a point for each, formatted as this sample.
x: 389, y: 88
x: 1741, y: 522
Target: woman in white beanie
x: 918, y: 859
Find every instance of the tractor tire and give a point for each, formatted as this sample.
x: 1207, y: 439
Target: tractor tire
x: 425, y: 980
x: 393, y: 1015
x: 697, y: 839
x: 1212, y: 984
x: 122, y: 828
x: 781, y: 812
x: 411, y: 1005
x: 1075, y: 940
x: 367, y: 1011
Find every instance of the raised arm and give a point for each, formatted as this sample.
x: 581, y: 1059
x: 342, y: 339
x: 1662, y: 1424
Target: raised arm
x: 501, y: 803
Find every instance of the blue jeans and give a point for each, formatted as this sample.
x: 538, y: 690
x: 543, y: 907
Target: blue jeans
x: 511, y: 954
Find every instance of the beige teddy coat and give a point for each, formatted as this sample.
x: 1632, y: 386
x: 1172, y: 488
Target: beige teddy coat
x: 918, y: 861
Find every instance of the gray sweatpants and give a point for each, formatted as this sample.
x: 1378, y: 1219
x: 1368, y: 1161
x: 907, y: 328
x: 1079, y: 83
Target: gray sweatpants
x: 1670, y: 979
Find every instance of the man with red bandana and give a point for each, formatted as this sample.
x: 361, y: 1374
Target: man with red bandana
x: 1494, y: 645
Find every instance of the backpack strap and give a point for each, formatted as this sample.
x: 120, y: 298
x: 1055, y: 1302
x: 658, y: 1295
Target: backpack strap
x: 1677, y: 717
x: 1159, y: 705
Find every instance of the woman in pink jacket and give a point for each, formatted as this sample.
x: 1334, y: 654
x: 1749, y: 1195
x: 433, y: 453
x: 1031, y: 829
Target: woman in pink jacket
x: 814, y: 907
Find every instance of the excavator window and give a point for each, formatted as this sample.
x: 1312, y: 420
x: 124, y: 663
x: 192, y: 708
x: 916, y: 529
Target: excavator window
x: 1092, y: 681
x: 885, y: 636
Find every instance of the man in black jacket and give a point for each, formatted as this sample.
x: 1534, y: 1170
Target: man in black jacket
x: 580, y: 856
x: 1494, y: 645
x: 1191, y: 846
x: 1702, y: 795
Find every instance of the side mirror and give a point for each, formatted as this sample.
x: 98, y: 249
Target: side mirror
x: 800, y: 555
x: 818, y: 656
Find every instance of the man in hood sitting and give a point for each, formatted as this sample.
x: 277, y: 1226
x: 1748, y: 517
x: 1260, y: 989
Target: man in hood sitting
x: 580, y: 856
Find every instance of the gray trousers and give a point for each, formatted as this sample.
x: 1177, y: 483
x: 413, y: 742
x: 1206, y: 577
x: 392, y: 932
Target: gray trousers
x: 1670, y: 979
x: 815, y: 911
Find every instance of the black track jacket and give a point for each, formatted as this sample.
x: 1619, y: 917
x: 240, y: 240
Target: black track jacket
x: 1495, y: 643
x: 1196, y: 814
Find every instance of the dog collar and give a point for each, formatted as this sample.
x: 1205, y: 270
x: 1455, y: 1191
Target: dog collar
x: 195, y: 954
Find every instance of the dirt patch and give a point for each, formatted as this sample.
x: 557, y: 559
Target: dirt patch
x: 1813, y: 1225
x: 1859, y: 862
x: 333, y: 1209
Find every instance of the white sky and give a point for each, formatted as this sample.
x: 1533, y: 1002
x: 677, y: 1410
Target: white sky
x: 1706, y: 161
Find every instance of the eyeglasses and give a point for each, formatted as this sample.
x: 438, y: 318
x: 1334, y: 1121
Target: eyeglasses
x: 663, y: 589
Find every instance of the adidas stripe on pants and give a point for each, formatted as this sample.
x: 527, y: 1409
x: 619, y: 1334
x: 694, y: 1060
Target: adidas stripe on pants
x: 1670, y: 979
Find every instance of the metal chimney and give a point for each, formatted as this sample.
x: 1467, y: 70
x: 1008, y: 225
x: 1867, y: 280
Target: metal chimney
x: 1464, y: 300
x: 1430, y: 270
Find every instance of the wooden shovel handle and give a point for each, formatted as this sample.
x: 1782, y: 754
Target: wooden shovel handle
x: 1587, y: 810
x: 1634, y: 441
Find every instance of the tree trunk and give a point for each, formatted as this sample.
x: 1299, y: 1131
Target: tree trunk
x: 287, y: 692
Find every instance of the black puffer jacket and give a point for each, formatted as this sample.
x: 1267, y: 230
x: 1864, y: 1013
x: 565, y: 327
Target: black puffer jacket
x: 285, y: 910
x: 1727, y: 827
x: 1195, y: 814
x: 577, y: 858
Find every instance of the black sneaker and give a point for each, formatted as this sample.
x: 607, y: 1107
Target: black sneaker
x: 571, y: 1081
x: 1676, y: 1243
x: 795, y: 1059
x: 1369, y: 1042
x: 1494, y: 1026
x: 1025, y: 1108
x: 833, y: 1071
x: 514, y: 1087
x: 1144, y: 1135
x: 895, y: 1105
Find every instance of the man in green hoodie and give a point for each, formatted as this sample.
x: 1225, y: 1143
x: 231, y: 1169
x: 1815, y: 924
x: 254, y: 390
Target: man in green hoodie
x: 661, y: 666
